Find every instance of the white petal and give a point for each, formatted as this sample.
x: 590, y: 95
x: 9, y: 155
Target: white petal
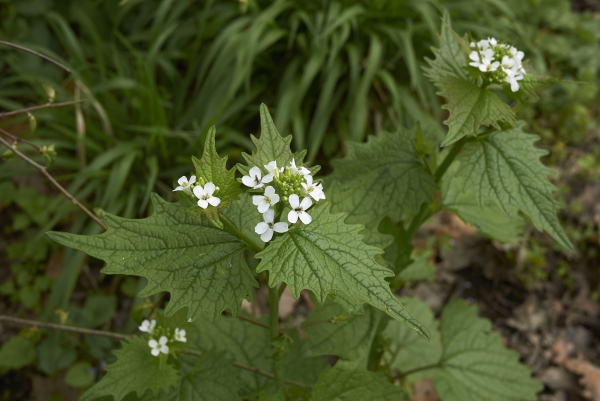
x: 267, y: 235
x: 292, y: 216
x: 209, y: 188
x: 155, y: 351
x: 202, y: 203
x: 192, y: 180
x: 294, y: 202
x: 267, y: 178
x: 264, y: 206
x: 514, y: 86
x: 274, y: 199
x: 280, y: 227
x: 305, y: 217
x: 248, y: 181
x: 306, y: 203
x: 179, y: 188
x: 152, y: 324
x: 261, y: 227
x: 269, y: 191
x: 474, y: 64
x: 269, y: 216
x: 255, y: 172
x: 163, y: 340
x: 474, y: 56
x: 482, y: 68
x: 257, y: 199
x: 304, y: 171
x: 164, y: 349
x: 182, y: 332
x: 182, y: 180
x: 199, y: 191
x: 309, y: 180
x: 213, y: 200
x: 152, y: 343
x: 258, y: 186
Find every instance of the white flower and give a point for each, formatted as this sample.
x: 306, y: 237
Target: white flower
x: 507, y: 64
x: 316, y: 190
x: 205, y: 195
x: 184, y: 184
x: 299, y: 209
x: 492, y: 41
x: 265, y: 201
x: 272, y: 168
x: 296, y: 170
x: 266, y: 228
x: 147, y: 326
x: 483, y: 60
x: 253, y: 179
x: 518, y: 55
x: 513, y: 79
x: 481, y: 45
x: 159, y: 346
x: 180, y: 335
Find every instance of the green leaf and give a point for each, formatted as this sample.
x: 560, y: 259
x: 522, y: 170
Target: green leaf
x: 79, y: 375
x: 57, y: 351
x: 342, y: 383
x: 489, y: 219
x: 16, y: 353
x: 213, y: 168
x: 475, y: 365
x: 407, y: 351
x: 504, y: 167
x: 239, y: 214
x: 347, y: 336
x: 271, y: 146
x: 136, y: 369
x: 449, y: 59
x: 470, y: 107
x: 378, y: 178
x: 212, y: 377
x: 419, y: 270
x: 177, y: 251
x: 328, y: 256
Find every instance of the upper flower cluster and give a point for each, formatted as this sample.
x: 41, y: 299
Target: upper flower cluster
x: 292, y: 185
x: 163, y: 335
x: 203, y: 191
x: 500, y: 62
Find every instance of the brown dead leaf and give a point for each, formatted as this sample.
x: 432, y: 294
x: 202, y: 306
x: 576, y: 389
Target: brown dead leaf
x: 424, y: 391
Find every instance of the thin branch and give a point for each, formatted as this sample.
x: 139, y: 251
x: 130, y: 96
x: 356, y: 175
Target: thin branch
x: 25, y: 322
x: 43, y: 106
x: 427, y: 367
x: 245, y: 319
x: 19, y: 139
x: 81, y: 330
x: 56, y: 184
x: 37, y: 54
x: 303, y: 325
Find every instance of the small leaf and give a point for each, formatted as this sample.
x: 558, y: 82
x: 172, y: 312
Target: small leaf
x: 136, y: 369
x: 179, y: 252
x: 342, y: 383
x: 50, y: 92
x: 17, y: 353
x: 213, y: 168
x: 328, y: 256
x: 32, y: 123
x: 470, y: 107
x: 504, y: 167
x: 79, y: 375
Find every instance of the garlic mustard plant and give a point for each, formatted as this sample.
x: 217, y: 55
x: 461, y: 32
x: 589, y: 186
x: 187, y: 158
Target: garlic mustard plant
x: 268, y: 222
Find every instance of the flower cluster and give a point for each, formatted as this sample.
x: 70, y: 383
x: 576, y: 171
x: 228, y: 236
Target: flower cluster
x: 163, y: 335
x: 501, y: 63
x: 203, y: 191
x: 292, y: 185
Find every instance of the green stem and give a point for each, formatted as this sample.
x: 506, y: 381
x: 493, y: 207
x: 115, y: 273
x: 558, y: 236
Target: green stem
x: 247, y: 240
x: 274, y: 325
x: 425, y: 212
x: 410, y: 372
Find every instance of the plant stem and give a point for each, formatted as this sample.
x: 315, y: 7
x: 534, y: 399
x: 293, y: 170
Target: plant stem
x: 19, y: 139
x: 81, y: 330
x: 410, y: 372
x: 424, y: 212
x: 37, y: 54
x: 43, y: 170
x: 245, y: 319
x: 247, y: 240
x: 43, y: 106
x: 274, y: 323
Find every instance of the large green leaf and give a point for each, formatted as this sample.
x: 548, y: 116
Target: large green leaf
x: 176, y: 251
x: 136, y: 369
x: 213, y: 168
x: 350, y: 383
x: 504, y: 167
x: 378, y: 178
x: 449, y: 60
x: 471, y: 107
x: 475, y: 365
x: 328, y: 256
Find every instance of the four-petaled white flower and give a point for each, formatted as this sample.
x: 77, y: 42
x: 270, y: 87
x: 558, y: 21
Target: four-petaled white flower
x: 513, y: 79
x: 266, y: 228
x: 295, y: 170
x: 205, y: 195
x: 272, y: 168
x: 184, y: 184
x: 265, y: 201
x: 147, y: 326
x: 159, y: 346
x: 299, y: 209
x: 180, y: 335
x: 254, y: 180
x: 483, y: 60
x: 316, y: 190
